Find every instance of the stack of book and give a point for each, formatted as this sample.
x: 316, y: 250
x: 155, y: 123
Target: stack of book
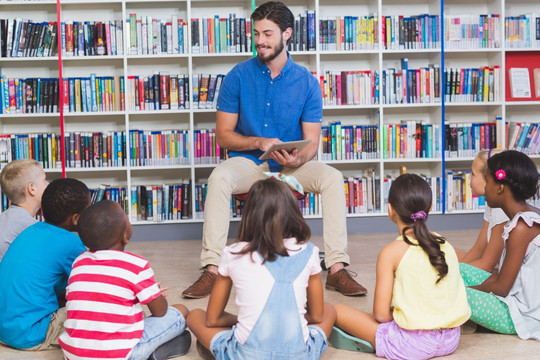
x: 362, y: 193
x: 522, y: 31
x: 106, y: 192
x: 26, y: 38
x: 92, y: 38
x: 350, y: 87
x: 524, y: 137
x: 473, y: 84
x: 411, y: 32
x: 205, y: 88
x: 349, y: 33
x: 161, y: 202
x: 151, y: 36
x: 304, y: 33
x: 95, y: 149
x: 158, y: 147
x: 42, y: 147
x: 411, y: 139
x: 434, y: 182
x: 472, y: 31
x: 221, y: 34
x: 411, y: 86
x: 28, y: 95
x: 94, y: 94
x: 467, y: 139
x: 206, y: 149
x: 160, y: 91
x: 349, y: 142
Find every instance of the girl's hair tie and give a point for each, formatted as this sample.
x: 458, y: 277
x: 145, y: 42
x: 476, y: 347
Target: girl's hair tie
x: 419, y: 215
x: 500, y: 174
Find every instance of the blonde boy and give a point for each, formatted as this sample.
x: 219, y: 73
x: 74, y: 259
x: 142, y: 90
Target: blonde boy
x: 23, y: 181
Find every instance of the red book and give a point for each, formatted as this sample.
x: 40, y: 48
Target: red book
x: 164, y: 90
x: 69, y: 38
x: 141, y: 99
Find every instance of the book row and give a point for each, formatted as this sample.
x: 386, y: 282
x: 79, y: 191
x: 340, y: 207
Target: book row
x: 26, y: 38
x: 304, y: 34
x: 459, y: 194
x: 206, y: 149
x: 522, y: 31
x: 158, y: 148
x: 411, y: 86
x: 350, y: 87
x: 91, y: 38
x: 159, y: 91
x: 411, y: 139
x: 465, y: 140
x: 221, y: 34
x: 401, y: 32
x: 114, y: 193
x: 349, y: 142
x: 161, y: 202
x: 30, y: 95
x: 151, y: 36
x: 473, y: 84
x: 524, y: 136
x: 436, y: 190
x: 348, y: 33
x: 472, y: 31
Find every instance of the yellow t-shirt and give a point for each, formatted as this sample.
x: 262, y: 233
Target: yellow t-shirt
x: 420, y: 303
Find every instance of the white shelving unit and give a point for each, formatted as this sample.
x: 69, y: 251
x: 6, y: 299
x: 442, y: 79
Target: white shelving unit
x: 317, y: 61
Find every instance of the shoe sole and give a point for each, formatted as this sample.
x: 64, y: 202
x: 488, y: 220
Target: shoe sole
x: 358, y: 293
x: 189, y: 296
x: 341, y: 340
x: 204, y: 353
x: 181, y: 343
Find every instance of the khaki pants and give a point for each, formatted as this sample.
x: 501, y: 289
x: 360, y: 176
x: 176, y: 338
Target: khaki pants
x: 55, y: 329
x: 237, y: 174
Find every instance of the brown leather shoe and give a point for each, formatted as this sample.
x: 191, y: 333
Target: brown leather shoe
x: 343, y: 282
x: 202, y: 287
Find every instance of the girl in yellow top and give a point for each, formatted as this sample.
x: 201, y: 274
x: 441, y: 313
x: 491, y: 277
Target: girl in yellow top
x: 420, y: 299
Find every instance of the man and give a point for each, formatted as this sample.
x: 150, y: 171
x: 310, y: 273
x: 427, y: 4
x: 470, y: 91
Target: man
x: 263, y: 101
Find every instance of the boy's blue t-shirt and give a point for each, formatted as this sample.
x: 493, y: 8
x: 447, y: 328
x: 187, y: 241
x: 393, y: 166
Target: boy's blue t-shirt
x: 33, y: 272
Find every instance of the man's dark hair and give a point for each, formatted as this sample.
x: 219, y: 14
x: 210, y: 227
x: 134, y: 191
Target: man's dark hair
x: 101, y: 225
x: 277, y: 12
x: 63, y: 198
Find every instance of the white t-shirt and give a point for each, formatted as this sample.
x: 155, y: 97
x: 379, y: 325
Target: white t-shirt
x: 494, y: 216
x: 253, y: 282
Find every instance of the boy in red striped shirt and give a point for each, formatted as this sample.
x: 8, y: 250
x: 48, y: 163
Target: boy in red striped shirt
x: 105, y: 293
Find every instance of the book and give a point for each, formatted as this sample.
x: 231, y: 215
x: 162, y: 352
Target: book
x: 536, y: 75
x: 520, y: 86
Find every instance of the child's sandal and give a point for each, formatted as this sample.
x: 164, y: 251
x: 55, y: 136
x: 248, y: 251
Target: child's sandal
x: 341, y: 340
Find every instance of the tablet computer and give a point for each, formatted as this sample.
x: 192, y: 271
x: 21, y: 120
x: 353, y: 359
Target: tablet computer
x: 288, y: 146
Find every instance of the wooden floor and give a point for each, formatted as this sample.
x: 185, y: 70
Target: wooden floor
x: 176, y: 264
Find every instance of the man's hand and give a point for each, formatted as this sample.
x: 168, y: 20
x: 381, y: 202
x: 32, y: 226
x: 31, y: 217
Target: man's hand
x: 286, y: 159
x: 265, y: 143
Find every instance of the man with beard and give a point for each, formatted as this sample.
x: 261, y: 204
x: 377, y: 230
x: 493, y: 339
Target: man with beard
x: 266, y: 100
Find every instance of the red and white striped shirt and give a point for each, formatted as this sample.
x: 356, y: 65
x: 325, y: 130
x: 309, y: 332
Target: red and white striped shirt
x: 104, y: 295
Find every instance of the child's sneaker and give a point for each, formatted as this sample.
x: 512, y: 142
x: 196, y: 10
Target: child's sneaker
x: 175, y: 347
x: 341, y: 340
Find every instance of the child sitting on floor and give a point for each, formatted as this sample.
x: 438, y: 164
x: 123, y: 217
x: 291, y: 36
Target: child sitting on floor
x: 508, y: 301
x: 487, y: 250
x: 23, y: 182
x: 276, y: 274
x: 420, y: 300
x: 35, y: 269
x: 106, y: 289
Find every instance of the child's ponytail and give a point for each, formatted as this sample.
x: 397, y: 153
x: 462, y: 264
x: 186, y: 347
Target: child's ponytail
x: 410, y: 197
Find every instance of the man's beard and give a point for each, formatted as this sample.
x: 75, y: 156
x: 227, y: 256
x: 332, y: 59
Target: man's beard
x: 272, y: 55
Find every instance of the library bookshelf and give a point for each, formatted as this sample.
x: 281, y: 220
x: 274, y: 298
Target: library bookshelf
x: 128, y: 98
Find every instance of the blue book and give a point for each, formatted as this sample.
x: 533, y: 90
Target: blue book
x: 71, y: 82
x: 83, y: 95
x: 523, y: 136
x: 217, y: 35
x: 93, y: 92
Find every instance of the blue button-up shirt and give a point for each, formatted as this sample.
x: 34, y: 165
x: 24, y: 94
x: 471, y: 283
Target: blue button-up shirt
x: 270, y: 108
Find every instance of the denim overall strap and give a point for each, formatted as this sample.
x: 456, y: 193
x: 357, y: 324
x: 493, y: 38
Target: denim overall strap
x: 278, y: 330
